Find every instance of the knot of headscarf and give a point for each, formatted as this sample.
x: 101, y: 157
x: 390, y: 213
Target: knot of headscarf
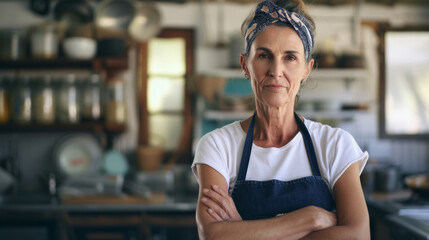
x: 268, y: 13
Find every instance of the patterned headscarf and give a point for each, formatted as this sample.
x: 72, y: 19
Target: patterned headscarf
x: 268, y: 13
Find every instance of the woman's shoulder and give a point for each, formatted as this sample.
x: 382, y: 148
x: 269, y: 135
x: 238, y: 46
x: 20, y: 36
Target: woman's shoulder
x: 326, y: 132
x: 231, y: 132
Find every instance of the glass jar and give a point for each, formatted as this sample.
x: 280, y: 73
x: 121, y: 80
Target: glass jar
x: 115, y: 110
x: 21, y: 100
x: 92, y: 99
x: 44, y: 41
x: 44, y: 105
x: 12, y: 44
x: 68, y: 100
x: 4, y: 100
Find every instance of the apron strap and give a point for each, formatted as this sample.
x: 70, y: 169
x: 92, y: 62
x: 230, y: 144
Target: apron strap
x: 309, y: 148
x: 246, y: 151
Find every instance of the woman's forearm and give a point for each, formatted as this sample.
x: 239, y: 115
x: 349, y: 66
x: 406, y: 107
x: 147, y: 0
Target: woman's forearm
x: 294, y: 225
x: 361, y: 232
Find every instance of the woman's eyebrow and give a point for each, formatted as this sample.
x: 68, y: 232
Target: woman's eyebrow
x: 286, y: 52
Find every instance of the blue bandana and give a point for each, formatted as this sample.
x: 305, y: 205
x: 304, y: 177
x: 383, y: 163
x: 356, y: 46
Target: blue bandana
x: 268, y: 13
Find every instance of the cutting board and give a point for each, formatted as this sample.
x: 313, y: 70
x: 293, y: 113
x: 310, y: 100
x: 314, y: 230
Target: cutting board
x: 109, y: 199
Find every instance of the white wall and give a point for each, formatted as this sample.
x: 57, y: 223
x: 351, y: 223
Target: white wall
x: 335, y: 25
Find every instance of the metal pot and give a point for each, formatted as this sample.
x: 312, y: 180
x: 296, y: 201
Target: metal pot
x: 115, y: 14
x: 146, y: 23
x: 387, y: 178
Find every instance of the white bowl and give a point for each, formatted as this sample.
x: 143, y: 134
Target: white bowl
x: 80, y: 48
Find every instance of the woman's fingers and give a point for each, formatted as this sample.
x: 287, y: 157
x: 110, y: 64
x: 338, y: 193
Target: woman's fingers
x: 216, y: 208
x: 225, y: 204
x: 215, y: 215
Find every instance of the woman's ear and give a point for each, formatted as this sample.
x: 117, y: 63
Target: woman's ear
x: 308, y: 68
x: 243, y: 64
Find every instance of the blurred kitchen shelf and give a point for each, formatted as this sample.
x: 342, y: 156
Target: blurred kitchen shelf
x: 339, y: 73
x: 226, y: 115
x: 322, y: 73
x: 63, y: 63
x: 330, y: 114
x: 35, y: 127
x: 322, y: 114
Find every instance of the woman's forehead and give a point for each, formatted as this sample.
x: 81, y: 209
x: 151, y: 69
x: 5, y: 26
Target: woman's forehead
x: 275, y: 37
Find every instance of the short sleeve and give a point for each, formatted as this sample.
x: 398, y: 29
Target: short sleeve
x: 208, y: 152
x: 347, y: 152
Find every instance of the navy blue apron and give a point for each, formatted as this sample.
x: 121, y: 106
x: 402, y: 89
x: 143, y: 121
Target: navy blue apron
x: 266, y: 199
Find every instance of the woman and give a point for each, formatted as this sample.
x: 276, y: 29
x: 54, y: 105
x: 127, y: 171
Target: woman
x: 276, y: 174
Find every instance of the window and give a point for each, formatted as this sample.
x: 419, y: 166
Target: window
x: 166, y: 111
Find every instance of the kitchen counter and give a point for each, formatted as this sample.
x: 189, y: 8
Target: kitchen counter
x: 39, y: 203
x: 391, y: 219
x: 74, y: 218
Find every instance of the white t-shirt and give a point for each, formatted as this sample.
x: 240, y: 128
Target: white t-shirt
x: 335, y: 150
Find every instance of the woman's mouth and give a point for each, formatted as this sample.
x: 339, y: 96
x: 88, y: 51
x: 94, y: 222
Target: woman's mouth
x: 274, y: 86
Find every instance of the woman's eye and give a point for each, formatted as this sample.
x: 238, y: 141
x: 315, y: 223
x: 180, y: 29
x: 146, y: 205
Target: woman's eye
x: 290, y: 57
x: 264, y: 56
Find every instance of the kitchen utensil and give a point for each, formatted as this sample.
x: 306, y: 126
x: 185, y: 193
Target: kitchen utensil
x: 80, y: 48
x: 387, y: 178
x: 111, y: 47
x: 149, y: 158
x: 115, y: 111
x: 93, y: 98
x: 156, y: 181
x: 418, y: 183
x: 6, y: 180
x: 44, y: 100
x: 40, y: 7
x: 114, y: 163
x: 44, y: 41
x: 146, y: 23
x: 115, y: 14
x: 12, y: 44
x: 80, y: 9
x: 72, y: 14
x: 77, y: 154
x: 92, y: 184
x: 68, y: 100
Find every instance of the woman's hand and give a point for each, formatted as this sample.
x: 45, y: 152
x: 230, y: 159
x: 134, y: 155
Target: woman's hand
x: 322, y: 218
x: 220, y: 205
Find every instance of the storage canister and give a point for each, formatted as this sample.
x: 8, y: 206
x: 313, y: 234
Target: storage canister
x: 115, y: 110
x: 44, y: 41
x: 44, y: 105
x: 92, y: 105
x: 21, y: 100
x: 68, y: 100
x: 4, y: 100
x: 12, y: 44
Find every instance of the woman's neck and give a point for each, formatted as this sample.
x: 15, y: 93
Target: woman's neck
x: 274, y: 127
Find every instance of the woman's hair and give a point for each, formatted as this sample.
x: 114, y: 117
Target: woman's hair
x: 297, y: 6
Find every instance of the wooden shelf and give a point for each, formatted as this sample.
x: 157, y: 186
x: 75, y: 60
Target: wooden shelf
x: 226, y: 115
x: 89, y: 126
x: 322, y: 73
x: 63, y: 63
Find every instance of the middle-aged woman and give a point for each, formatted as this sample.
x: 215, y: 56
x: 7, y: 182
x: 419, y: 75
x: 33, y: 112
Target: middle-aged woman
x: 277, y: 175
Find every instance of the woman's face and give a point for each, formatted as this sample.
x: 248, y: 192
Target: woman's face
x: 276, y: 65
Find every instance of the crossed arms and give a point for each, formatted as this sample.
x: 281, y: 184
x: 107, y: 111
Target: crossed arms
x: 217, y: 216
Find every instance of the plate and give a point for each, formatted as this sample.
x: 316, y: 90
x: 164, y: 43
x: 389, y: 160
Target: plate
x: 114, y: 162
x: 77, y: 154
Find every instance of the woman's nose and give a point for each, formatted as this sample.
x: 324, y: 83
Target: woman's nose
x: 276, y: 69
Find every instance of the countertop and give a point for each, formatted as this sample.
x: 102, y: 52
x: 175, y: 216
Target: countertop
x: 408, y: 219
x: 124, y: 203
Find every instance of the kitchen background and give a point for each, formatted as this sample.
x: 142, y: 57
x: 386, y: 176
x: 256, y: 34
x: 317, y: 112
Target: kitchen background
x: 342, y: 29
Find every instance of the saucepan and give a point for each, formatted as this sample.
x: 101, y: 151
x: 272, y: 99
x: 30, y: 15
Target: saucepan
x: 418, y: 184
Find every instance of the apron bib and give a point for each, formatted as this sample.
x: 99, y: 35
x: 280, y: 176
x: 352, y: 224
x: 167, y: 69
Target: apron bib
x: 267, y: 199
